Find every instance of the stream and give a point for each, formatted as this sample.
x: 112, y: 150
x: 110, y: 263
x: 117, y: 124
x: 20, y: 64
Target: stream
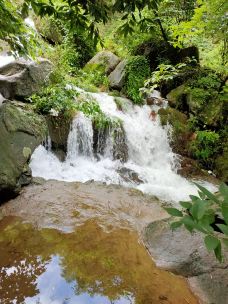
x: 76, y: 237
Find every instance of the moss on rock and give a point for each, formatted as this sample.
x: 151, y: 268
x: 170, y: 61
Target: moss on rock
x: 21, y: 131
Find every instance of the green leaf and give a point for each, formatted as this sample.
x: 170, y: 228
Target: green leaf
x: 211, y: 242
x: 176, y: 225
x: 225, y: 212
x: 198, y: 209
x: 210, y: 195
x: 188, y: 223
x: 174, y: 212
x: 193, y: 198
x: 223, y: 228
x: 186, y: 205
x: 218, y: 252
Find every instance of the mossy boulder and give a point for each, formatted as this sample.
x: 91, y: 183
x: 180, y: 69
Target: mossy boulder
x: 180, y: 132
x: 221, y: 164
x: 207, y: 105
x: 107, y: 59
x: 21, y: 131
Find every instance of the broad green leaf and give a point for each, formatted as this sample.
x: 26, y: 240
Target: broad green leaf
x: 193, y: 198
x: 176, y: 225
x: 174, y: 212
x: 210, y: 195
x: 186, y: 205
x: 188, y: 223
x: 211, y: 242
x: 223, y: 228
x: 218, y: 252
x: 198, y: 209
x: 225, y: 212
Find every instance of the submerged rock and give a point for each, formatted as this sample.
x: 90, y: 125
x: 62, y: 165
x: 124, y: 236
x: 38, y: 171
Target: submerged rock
x: 20, y: 79
x: 185, y: 254
x: 107, y: 59
x: 21, y: 131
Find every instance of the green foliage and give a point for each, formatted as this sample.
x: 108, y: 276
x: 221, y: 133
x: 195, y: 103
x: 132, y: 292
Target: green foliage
x: 163, y: 73
x: 205, y: 147
x: 137, y: 70
x: 64, y: 100
x: 202, y: 214
x: 22, y: 39
x: 58, y: 98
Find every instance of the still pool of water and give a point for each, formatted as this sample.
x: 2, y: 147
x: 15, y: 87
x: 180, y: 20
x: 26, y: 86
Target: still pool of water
x: 87, y: 266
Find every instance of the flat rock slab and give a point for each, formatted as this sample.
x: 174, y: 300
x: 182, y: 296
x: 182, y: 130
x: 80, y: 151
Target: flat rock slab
x: 185, y: 254
x: 63, y: 205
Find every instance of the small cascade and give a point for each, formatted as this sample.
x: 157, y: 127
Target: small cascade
x: 80, y: 139
x: 136, y: 154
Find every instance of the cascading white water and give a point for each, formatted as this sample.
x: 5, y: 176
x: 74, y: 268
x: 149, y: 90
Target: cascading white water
x: 80, y: 139
x: 150, y: 155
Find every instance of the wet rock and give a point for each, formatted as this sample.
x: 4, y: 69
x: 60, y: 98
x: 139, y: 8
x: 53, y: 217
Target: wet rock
x: 180, y: 132
x: 2, y: 99
x: 109, y: 205
x: 185, y: 254
x: 117, y: 76
x: 107, y: 59
x: 20, y: 79
x: 129, y: 175
x: 58, y: 130
x: 21, y: 131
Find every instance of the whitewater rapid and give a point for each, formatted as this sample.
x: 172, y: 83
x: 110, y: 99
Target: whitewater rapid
x: 149, y: 154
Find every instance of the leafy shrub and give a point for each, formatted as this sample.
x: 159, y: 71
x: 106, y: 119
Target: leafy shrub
x: 64, y: 100
x: 208, y: 214
x: 206, y: 80
x: 163, y: 73
x: 95, y: 74
x: 137, y: 70
x: 205, y: 146
x: 55, y: 98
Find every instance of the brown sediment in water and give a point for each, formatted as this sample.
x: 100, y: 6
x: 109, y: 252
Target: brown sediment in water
x: 110, y: 267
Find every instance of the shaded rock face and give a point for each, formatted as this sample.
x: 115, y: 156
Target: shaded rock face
x: 107, y: 59
x: 58, y: 130
x: 185, y: 254
x: 117, y: 77
x: 159, y: 51
x: 209, y: 112
x: 20, y: 79
x: 21, y: 131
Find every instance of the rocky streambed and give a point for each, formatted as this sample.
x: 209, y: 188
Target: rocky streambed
x: 85, y: 243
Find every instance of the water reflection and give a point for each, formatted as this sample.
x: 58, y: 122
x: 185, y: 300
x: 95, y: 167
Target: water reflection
x: 88, y: 266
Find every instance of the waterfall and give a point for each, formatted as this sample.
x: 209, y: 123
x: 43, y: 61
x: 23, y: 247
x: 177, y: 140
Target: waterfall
x: 80, y: 139
x: 138, y: 156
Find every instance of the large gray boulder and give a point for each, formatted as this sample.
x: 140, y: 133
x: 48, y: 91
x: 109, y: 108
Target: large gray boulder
x: 117, y: 76
x: 21, y: 131
x: 185, y: 254
x: 107, y: 59
x: 20, y: 78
